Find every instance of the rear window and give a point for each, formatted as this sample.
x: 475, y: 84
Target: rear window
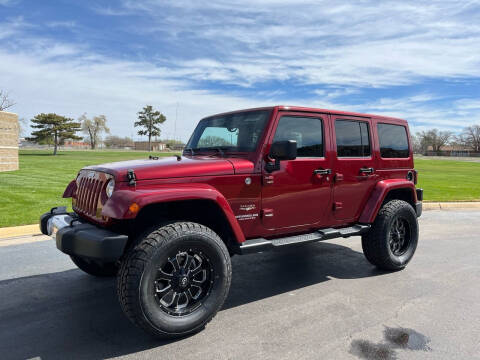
x: 352, y: 138
x: 393, y: 141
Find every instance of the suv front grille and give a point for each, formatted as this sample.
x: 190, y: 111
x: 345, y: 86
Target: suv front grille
x: 90, y: 195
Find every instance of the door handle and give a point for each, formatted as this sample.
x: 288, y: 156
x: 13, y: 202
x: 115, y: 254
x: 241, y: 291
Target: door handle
x: 369, y: 170
x: 322, y: 171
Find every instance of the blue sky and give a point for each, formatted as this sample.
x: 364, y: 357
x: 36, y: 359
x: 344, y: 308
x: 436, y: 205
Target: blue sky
x: 410, y: 59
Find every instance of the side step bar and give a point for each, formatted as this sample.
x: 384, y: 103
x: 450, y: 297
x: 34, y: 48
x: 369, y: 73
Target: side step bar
x: 261, y: 244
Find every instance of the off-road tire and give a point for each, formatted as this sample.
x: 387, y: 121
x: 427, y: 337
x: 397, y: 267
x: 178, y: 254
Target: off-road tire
x: 376, y: 243
x: 140, y: 268
x: 94, y: 267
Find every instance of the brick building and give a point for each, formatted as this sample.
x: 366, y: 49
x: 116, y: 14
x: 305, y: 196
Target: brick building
x: 156, y: 146
x: 8, y: 141
x: 76, y: 144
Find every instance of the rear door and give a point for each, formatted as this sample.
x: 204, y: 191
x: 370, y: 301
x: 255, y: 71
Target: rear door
x: 354, y: 166
x: 298, y: 195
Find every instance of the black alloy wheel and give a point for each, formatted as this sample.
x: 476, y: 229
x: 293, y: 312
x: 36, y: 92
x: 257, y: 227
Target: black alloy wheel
x: 399, y: 236
x: 175, y: 279
x: 183, y: 282
x: 392, y: 240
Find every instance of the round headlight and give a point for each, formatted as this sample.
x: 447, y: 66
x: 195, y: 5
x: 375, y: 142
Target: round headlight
x: 110, y: 187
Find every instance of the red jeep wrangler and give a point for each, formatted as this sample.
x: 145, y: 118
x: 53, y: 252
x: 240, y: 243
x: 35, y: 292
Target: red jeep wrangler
x: 248, y: 181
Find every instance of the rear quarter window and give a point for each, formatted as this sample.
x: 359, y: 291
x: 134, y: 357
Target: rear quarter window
x: 393, y: 141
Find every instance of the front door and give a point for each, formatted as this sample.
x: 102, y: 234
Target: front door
x: 354, y: 167
x: 299, y: 193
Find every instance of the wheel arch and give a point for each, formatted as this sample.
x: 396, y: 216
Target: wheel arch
x: 199, y: 203
x: 202, y: 211
x: 385, y: 191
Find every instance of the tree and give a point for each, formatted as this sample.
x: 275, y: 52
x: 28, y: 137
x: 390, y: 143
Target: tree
x: 209, y: 141
x: 118, y: 142
x: 5, y: 101
x: 23, y: 124
x: 417, y: 145
x: 93, y: 128
x: 471, y: 137
x: 53, y: 129
x: 149, y: 121
x: 434, y: 138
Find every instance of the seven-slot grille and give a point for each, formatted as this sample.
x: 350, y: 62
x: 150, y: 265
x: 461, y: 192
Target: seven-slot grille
x: 90, y: 193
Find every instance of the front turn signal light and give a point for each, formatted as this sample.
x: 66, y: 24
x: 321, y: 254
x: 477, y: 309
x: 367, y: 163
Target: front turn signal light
x: 134, y: 208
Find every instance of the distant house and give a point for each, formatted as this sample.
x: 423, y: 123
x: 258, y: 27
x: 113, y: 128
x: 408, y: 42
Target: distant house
x: 452, y: 150
x: 453, y: 147
x: 76, y: 144
x: 176, y: 147
x: 22, y: 142
x: 156, y: 146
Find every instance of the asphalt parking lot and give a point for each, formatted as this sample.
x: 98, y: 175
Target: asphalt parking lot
x: 319, y: 301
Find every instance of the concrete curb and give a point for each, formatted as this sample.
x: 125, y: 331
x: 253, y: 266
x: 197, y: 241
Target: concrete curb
x: 451, y: 205
x: 16, y: 231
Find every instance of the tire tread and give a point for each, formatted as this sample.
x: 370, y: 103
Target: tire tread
x: 373, y: 243
x: 132, y: 267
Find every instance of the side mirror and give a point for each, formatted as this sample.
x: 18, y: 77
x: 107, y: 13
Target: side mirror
x: 284, y: 150
x: 281, y: 150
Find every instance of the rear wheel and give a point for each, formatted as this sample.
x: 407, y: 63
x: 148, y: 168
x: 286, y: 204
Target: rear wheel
x: 94, y: 267
x: 173, y: 282
x: 392, y: 240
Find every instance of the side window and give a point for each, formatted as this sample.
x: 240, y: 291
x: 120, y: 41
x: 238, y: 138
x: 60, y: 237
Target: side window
x: 306, y: 131
x: 393, y: 141
x: 353, y: 138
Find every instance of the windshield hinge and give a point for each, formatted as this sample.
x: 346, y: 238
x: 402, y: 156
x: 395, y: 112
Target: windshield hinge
x: 132, y: 179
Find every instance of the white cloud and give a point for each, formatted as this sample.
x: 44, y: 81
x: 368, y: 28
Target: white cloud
x: 114, y: 88
x: 316, y: 42
x: 8, y: 2
x: 333, y: 93
x: 61, y: 24
x: 341, y: 49
x: 11, y: 27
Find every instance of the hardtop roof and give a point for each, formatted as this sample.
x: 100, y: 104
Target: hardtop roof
x: 313, y: 110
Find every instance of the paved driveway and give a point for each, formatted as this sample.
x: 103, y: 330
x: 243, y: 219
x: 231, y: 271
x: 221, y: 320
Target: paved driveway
x: 319, y: 301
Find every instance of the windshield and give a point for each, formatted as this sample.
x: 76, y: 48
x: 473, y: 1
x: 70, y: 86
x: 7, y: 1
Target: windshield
x: 238, y: 132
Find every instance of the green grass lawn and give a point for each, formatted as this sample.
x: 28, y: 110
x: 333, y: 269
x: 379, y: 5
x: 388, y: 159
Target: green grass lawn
x: 448, y: 180
x: 39, y: 184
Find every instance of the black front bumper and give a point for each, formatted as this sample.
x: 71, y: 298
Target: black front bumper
x: 81, y: 238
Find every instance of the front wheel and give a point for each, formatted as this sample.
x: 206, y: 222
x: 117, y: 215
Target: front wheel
x: 392, y: 240
x: 173, y: 282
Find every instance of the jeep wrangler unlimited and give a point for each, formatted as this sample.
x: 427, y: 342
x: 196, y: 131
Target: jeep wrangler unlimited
x: 247, y: 181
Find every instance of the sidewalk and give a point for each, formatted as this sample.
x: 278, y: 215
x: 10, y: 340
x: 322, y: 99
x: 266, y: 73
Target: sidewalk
x: 16, y: 231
